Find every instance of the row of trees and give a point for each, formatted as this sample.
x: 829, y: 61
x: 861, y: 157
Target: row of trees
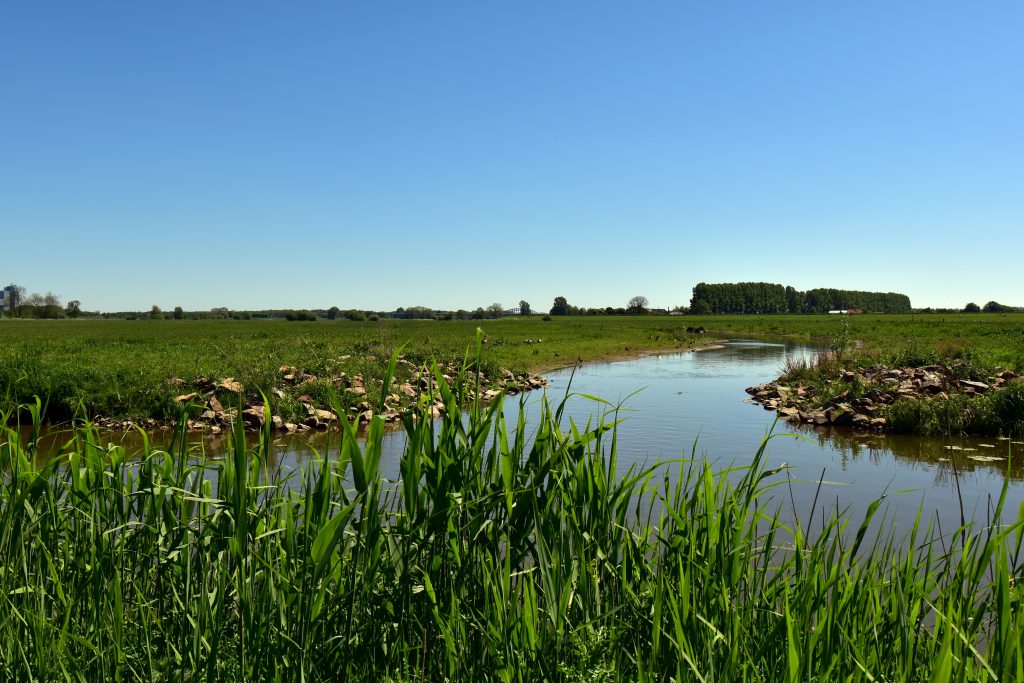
x: 991, y: 307
x: 767, y: 298
x: 637, y: 306
x: 36, y: 305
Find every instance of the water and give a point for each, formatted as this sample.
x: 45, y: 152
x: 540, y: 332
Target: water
x: 694, y: 403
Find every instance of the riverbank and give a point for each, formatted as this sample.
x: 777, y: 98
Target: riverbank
x: 950, y: 398
x: 121, y: 374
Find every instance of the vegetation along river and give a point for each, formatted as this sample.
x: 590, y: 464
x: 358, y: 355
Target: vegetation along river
x: 683, y: 403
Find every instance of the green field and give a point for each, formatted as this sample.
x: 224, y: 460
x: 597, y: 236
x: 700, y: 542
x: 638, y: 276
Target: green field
x: 123, y: 368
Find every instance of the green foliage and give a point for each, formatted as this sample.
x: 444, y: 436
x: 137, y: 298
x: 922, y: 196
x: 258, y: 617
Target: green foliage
x: 765, y: 298
x: 489, y: 558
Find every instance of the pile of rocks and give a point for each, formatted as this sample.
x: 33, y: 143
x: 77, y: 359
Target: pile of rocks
x: 857, y: 398
x: 402, y: 398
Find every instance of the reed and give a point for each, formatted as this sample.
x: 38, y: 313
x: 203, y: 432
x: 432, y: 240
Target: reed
x: 494, y: 556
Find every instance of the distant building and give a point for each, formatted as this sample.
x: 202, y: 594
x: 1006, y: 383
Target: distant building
x: 8, y: 299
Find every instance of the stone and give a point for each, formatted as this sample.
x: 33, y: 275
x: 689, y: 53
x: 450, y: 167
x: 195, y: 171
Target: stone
x: 215, y: 405
x: 277, y: 423
x: 253, y: 416
x: 229, y: 384
x: 185, y: 398
x: 979, y: 387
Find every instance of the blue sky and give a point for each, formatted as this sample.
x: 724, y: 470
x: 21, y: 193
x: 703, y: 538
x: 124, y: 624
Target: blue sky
x: 375, y: 155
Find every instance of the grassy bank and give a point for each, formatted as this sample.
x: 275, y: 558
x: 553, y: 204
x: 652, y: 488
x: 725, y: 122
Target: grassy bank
x: 136, y: 369
x: 922, y: 374
x: 489, y: 559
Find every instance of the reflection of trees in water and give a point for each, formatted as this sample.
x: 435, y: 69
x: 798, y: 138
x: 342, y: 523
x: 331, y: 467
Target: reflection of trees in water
x: 923, y: 453
x: 752, y: 353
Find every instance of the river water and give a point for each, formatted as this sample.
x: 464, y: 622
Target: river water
x: 676, y: 405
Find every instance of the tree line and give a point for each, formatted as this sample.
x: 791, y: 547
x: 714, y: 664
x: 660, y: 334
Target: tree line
x: 767, y: 298
x: 36, y: 305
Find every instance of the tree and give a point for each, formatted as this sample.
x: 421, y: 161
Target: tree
x: 155, y: 313
x: 560, y: 307
x: 993, y: 307
x: 638, y: 304
x: 524, y: 307
x: 700, y: 307
x: 73, y: 309
x: 332, y: 312
x: 51, y: 307
x: 179, y: 313
x: 972, y: 308
x: 495, y: 310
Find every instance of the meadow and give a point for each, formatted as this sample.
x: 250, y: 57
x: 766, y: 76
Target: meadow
x: 488, y: 559
x: 119, y: 368
x: 136, y: 369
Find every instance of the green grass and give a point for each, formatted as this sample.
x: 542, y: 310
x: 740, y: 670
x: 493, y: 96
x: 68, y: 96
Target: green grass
x: 899, y: 339
x: 490, y: 558
x: 122, y: 368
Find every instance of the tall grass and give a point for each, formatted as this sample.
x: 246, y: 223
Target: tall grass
x: 494, y: 556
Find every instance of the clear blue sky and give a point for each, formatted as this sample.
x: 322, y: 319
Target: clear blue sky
x: 374, y: 155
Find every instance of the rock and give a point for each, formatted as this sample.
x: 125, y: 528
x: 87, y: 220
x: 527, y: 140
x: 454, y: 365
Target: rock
x: 209, y: 415
x: 253, y: 416
x: 277, y: 423
x: 215, y: 405
x: 290, y: 427
x: 324, y: 415
x: 979, y: 387
x: 878, y: 423
x: 185, y: 398
x: 860, y: 421
x: 407, y: 390
x: 176, y: 382
x: 229, y: 384
x: 277, y: 392
x: 839, y: 416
